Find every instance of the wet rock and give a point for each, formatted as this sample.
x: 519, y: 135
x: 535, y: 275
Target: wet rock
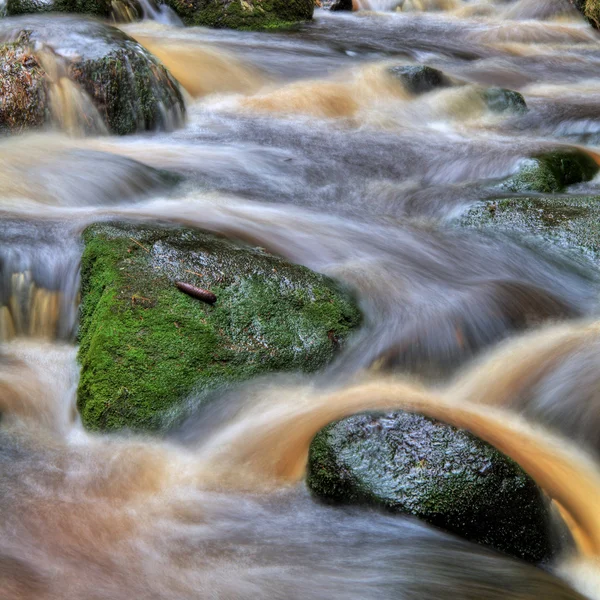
x: 130, y: 89
x: 145, y: 346
x: 590, y: 9
x: 420, y: 79
x: 97, y: 8
x: 501, y: 100
x: 409, y: 464
x: 243, y: 14
x: 551, y: 172
x: 572, y: 222
x: 23, y: 89
x: 337, y: 5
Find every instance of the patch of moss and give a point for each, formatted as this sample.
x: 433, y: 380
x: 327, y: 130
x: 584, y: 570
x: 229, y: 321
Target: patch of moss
x: 409, y: 464
x: 243, y: 14
x: 145, y: 346
x: 551, y: 172
x: 97, y: 8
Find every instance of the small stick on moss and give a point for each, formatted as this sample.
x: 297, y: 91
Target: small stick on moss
x: 193, y: 273
x: 196, y: 292
x: 140, y: 245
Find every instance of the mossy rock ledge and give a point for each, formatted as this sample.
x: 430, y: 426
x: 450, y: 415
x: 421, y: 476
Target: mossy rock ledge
x: 145, y: 346
x: 131, y: 89
x: 408, y: 464
x: 243, y: 14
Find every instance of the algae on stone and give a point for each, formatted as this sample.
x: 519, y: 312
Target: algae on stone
x: 243, y: 14
x: 409, y: 464
x: 145, y: 346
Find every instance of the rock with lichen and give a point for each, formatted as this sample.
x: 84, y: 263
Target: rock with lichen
x: 127, y: 89
x: 409, y: 464
x: 23, y: 90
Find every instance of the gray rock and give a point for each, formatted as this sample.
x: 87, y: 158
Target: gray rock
x: 412, y: 465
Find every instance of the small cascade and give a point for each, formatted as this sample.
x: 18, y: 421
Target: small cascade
x: 72, y: 109
x: 38, y: 283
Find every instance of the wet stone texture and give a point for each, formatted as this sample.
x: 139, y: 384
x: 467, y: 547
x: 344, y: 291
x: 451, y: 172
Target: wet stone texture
x: 243, y: 14
x: 131, y: 89
x: 146, y: 346
x: 409, y: 464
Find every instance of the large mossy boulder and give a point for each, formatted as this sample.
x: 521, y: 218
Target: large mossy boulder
x: 130, y: 89
x: 551, y: 172
x: 96, y: 8
x: 408, y: 464
x: 145, y: 346
x: 23, y: 91
x: 243, y: 14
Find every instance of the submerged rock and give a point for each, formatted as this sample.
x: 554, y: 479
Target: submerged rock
x: 501, y: 100
x: 420, y: 79
x: 412, y: 465
x: 23, y: 89
x: 243, y: 14
x: 551, y: 172
x: 128, y: 88
x: 145, y: 345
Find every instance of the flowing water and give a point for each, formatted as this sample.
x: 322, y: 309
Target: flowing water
x: 301, y: 142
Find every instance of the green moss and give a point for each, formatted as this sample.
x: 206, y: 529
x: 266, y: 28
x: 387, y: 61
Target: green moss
x: 243, y: 14
x: 409, y: 464
x: 145, y: 346
x: 551, y: 172
x: 98, y: 8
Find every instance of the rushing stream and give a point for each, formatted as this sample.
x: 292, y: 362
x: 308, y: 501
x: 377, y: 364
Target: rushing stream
x: 301, y: 143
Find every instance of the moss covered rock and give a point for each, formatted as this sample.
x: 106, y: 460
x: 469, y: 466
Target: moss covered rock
x: 243, y: 14
x: 131, y: 90
x: 23, y: 91
x: 409, y: 464
x: 551, y: 172
x: 97, y: 8
x: 145, y: 345
x: 572, y: 222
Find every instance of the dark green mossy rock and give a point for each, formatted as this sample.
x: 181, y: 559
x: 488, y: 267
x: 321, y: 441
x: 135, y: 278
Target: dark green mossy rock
x: 501, y: 100
x: 23, y: 92
x: 409, y: 464
x: 145, y: 346
x: 572, y: 222
x: 243, y: 14
x: 129, y: 87
x: 97, y: 8
x: 419, y: 79
x: 551, y: 172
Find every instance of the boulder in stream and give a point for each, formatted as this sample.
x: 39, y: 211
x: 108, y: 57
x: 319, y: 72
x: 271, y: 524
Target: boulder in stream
x: 419, y: 79
x: 243, y: 14
x: 409, y: 464
x: 551, y: 172
x: 501, y: 100
x: 127, y: 88
x: 145, y: 346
